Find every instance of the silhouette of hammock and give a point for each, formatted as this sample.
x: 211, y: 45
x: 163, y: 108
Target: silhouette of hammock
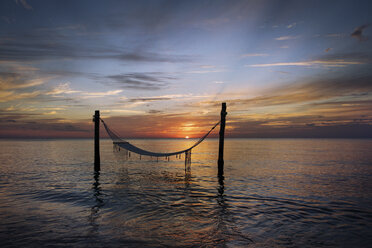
x: 132, y: 148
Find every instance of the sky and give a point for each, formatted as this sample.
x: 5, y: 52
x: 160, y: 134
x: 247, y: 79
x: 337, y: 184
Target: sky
x: 161, y: 69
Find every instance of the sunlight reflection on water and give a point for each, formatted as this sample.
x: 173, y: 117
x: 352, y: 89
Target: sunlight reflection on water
x: 276, y: 192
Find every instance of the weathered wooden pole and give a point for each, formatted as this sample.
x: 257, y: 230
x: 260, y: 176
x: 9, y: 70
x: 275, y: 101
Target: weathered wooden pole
x: 97, y: 160
x: 222, y: 138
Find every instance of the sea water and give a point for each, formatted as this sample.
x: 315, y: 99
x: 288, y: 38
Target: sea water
x: 274, y: 193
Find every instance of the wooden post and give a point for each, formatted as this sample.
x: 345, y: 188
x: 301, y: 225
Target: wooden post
x: 222, y: 138
x: 97, y: 160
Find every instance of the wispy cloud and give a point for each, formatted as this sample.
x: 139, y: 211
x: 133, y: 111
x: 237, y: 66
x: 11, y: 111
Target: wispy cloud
x: 215, y: 21
x: 288, y: 37
x: 358, y: 32
x: 30, y: 83
x: 335, y: 35
x: 8, y: 19
x: 328, y: 107
x: 292, y: 25
x: 165, y: 98
x: 63, y: 88
x: 207, y: 66
x: 100, y: 94
x: 14, y: 81
x: 322, y: 63
x: 14, y: 86
x: 107, y: 113
x: 204, y: 71
x: 24, y: 4
x: 59, y: 28
x: 313, y: 90
x: 7, y: 96
x: 142, y: 56
x: 50, y: 113
x: 255, y: 55
x: 51, y: 44
x: 24, y: 126
x: 150, y: 99
x: 141, y: 81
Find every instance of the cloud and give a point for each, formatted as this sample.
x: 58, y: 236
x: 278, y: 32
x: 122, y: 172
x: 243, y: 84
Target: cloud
x: 356, y: 57
x: 322, y: 63
x: 100, y: 94
x: 255, y: 55
x: 63, y: 88
x: 207, y: 66
x: 4, y: 85
x: 154, y: 111
x: 26, y: 126
x: 292, y: 25
x: 358, y: 32
x: 7, y: 96
x: 31, y: 111
x: 317, y: 107
x: 204, y: 71
x: 298, y: 127
x: 8, y: 19
x: 297, y: 94
x: 68, y: 27
x: 141, y: 81
x: 163, y: 98
x: 24, y: 4
x: 50, y: 113
x: 149, y: 99
x: 289, y: 37
x: 55, y: 44
x: 145, y: 57
x: 122, y: 111
x: 15, y: 86
x: 215, y: 22
x: 335, y: 35
x: 281, y: 72
x: 10, y: 80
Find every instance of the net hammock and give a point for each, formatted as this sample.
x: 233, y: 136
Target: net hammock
x: 119, y: 142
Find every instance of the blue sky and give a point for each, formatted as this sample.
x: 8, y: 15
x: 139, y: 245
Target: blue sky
x: 162, y: 68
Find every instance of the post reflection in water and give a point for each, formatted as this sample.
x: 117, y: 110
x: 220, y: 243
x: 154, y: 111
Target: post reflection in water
x: 187, y: 177
x: 227, y: 231
x: 98, y: 203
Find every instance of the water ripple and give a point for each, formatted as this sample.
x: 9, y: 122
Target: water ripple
x: 299, y: 193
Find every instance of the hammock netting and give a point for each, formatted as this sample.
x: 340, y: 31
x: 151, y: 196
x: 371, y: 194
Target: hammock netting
x: 119, y: 142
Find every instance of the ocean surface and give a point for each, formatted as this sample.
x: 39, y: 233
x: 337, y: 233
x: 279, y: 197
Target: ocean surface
x: 275, y: 193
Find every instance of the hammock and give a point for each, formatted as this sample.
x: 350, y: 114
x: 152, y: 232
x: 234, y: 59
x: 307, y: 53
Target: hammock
x: 129, y: 147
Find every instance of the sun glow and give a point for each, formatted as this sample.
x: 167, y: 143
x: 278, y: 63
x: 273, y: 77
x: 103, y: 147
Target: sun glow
x: 187, y: 137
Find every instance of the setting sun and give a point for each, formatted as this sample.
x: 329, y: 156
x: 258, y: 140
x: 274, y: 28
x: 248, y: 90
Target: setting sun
x: 187, y: 137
